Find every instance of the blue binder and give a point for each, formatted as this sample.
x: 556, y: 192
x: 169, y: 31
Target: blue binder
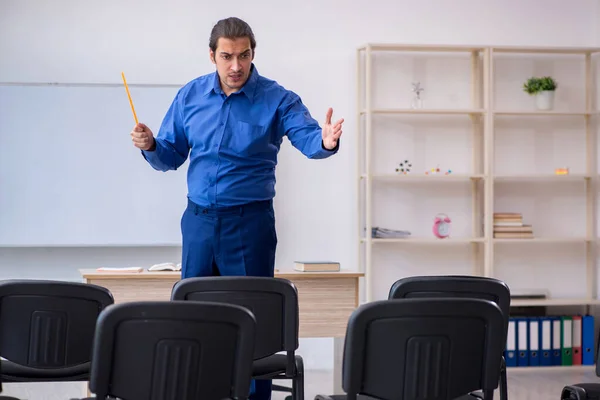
x: 587, y: 340
x: 545, y: 341
x: 522, y: 342
x: 533, y: 350
x: 510, y: 354
x: 556, y: 341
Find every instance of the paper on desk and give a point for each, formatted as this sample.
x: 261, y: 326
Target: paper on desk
x: 123, y: 269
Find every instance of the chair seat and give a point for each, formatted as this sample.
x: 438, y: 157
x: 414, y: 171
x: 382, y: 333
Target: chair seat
x: 592, y: 390
x: 269, y: 366
x: 478, y: 395
x: 340, y: 397
x: 12, y: 372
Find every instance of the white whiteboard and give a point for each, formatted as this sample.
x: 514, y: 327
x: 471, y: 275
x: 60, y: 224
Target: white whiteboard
x: 70, y: 176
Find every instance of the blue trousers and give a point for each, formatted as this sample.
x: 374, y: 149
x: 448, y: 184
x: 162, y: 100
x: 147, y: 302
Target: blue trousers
x: 230, y: 241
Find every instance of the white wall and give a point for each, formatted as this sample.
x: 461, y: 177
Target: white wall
x: 308, y: 47
x: 597, y: 24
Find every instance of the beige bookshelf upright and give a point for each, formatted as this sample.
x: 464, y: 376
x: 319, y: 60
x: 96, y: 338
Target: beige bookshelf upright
x: 482, y: 178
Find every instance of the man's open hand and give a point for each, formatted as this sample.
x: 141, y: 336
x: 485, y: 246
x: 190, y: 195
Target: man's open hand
x: 331, y: 133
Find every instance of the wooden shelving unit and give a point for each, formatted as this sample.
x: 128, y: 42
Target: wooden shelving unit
x: 483, y: 116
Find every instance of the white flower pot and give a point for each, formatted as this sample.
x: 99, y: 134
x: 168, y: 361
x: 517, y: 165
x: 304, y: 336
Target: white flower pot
x: 544, y: 100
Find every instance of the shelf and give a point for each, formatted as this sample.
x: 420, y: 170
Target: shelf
x: 542, y: 177
x: 545, y: 113
x: 466, y: 111
x: 556, y: 240
x: 433, y: 240
x: 553, y: 302
x: 545, y: 50
x: 419, y: 47
x: 424, y: 178
x: 557, y: 368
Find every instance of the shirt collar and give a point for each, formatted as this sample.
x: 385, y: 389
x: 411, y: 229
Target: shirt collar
x: 249, y: 88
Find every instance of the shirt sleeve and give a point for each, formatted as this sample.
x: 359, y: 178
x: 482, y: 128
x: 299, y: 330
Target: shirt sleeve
x: 302, y: 129
x: 171, y: 144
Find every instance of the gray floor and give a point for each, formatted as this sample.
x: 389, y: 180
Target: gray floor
x: 525, y: 384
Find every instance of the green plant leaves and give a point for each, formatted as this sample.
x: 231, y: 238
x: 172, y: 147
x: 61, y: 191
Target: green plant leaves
x: 535, y: 85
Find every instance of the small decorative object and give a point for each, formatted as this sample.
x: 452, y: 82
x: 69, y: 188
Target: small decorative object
x: 448, y: 172
x: 543, y: 89
x: 561, y: 171
x: 441, y: 226
x: 433, y: 171
x: 404, y: 167
x: 417, y: 101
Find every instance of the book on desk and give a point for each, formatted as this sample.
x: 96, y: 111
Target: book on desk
x: 316, y: 266
x: 167, y: 266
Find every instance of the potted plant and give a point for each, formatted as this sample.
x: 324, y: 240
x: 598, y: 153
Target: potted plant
x: 543, y: 89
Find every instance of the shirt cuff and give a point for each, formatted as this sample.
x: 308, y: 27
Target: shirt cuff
x: 152, y: 155
x: 334, y: 150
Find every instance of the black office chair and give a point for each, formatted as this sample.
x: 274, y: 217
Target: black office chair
x: 460, y: 286
x: 173, y: 350
x: 5, y: 397
x: 425, y: 349
x: 47, y: 329
x: 274, y: 303
x: 583, y: 391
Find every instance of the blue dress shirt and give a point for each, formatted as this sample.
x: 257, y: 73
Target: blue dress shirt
x: 233, y: 141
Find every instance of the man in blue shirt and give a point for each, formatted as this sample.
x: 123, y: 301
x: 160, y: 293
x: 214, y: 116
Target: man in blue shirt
x: 231, y: 124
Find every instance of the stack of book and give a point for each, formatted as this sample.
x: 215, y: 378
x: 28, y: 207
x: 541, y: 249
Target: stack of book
x: 385, y: 233
x: 510, y: 226
x: 317, y: 266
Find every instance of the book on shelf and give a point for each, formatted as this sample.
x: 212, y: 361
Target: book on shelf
x: 511, y: 226
x: 385, y: 233
x: 508, y: 219
x: 513, y: 235
x: 316, y: 266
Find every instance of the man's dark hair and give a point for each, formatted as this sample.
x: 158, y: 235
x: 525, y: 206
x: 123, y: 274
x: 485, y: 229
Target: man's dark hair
x: 231, y: 28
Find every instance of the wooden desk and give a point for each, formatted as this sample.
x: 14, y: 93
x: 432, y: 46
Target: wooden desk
x: 326, y: 299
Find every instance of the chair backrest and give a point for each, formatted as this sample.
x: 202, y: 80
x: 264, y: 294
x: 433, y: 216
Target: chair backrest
x: 461, y: 286
x: 597, y: 370
x: 49, y: 324
x: 171, y: 350
x: 422, y: 349
x: 273, y: 301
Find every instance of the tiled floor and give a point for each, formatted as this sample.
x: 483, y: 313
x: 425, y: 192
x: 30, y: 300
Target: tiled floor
x: 525, y: 384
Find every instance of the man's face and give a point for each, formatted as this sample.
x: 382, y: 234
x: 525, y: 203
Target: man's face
x: 233, y: 59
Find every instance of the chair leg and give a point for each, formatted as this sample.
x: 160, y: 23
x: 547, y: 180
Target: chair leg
x: 488, y: 394
x: 503, y: 381
x: 298, y: 382
x: 279, y: 388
